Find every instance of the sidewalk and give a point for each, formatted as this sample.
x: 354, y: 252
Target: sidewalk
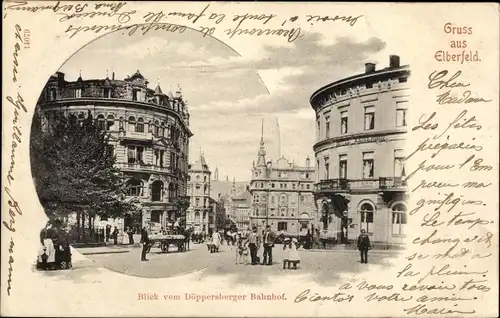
x: 108, y: 249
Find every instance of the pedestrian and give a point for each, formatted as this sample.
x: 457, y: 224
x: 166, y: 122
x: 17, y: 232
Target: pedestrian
x: 108, y: 232
x: 145, y: 243
x: 115, y: 235
x: 292, y: 256
x: 254, y: 245
x: 216, y: 241
x: 130, y: 234
x: 363, y: 246
x: 268, y: 243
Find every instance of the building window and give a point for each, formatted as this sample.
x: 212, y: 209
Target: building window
x: 81, y: 119
x: 302, y: 199
x: 157, y: 129
x: 318, y: 123
x: 134, y: 187
x: 282, y: 212
x: 399, y: 164
x: 120, y: 123
x: 308, y: 186
x: 140, y: 125
x: 366, y: 217
x: 273, y: 199
x: 136, y: 93
x: 327, y: 127
x: 156, y: 190
x: 282, y: 226
x: 343, y: 166
x: 368, y: 165
x: 403, y: 79
x: 101, y: 122
x: 78, y: 93
x: 292, y: 211
x: 283, y: 198
x: 401, y: 109
x: 197, y: 201
x: 272, y: 185
x: 398, y: 219
x: 135, y: 154
x: 52, y: 94
x: 131, y: 124
x: 369, y: 117
x: 107, y: 92
x: 293, y: 186
x: 327, y: 168
x: 197, y: 217
x: 110, y: 122
x: 343, y: 122
x: 162, y: 130
x: 400, y: 117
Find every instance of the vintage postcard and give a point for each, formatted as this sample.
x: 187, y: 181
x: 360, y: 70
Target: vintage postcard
x: 227, y: 159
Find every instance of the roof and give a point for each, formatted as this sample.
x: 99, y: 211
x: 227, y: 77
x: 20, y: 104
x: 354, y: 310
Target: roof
x: 158, y: 90
x: 200, y: 164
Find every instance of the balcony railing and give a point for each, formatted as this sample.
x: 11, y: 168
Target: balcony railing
x: 333, y: 184
x: 142, y: 167
x: 392, y: 183
x: 347, y: 185
x: 135, y: 135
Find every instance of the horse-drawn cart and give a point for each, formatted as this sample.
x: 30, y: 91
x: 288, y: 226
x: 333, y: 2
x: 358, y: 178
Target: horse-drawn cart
x: 164, y: 242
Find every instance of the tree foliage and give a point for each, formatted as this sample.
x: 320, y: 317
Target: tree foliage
x: 73, y: 169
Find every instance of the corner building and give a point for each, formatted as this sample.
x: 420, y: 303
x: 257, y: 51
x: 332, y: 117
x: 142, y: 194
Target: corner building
x: 361, y: 127
x: 149, y: 133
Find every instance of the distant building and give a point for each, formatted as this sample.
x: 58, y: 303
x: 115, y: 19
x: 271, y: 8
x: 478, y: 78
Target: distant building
x: 149, y: 134
x: 360, y: 157
x: 242, y: 209
x: 282, y: 195
x: 200, y: 214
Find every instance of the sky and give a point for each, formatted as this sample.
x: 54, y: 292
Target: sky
x: 229, y: 93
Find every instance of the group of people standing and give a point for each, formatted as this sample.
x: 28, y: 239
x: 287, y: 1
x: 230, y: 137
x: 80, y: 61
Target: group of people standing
x: 54, y: 252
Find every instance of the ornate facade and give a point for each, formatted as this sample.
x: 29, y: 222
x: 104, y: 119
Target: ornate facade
x: 361, y: 132
x: 149, y: 132
x: 201, y: 212
x: 282, y: 195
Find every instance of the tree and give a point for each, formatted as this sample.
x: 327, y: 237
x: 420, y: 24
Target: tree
x: 73, y: 168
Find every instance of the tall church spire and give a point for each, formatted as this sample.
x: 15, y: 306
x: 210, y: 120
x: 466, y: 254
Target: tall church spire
x: 261, y: 159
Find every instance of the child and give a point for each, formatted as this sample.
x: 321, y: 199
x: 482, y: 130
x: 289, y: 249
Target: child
x: 293, y: 257
x: 241, y: 250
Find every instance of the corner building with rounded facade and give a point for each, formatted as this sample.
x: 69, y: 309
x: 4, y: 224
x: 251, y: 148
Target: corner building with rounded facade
x: 361, y: 127
x: 149, y: 133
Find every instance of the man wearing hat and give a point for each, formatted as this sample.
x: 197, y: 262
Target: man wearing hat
x: 254, y: 244
x: 268, y: 242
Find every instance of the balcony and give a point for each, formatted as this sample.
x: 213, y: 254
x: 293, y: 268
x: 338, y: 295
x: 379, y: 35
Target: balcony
x: 135, y: 136
x: 351, y: 185
x: 333, y: 185
x: 393, y: 184
x: 138, y: 167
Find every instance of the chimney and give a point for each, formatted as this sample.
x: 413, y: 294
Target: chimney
x: 393, y: 61
x: 369, y: 68
x: 113, y: 76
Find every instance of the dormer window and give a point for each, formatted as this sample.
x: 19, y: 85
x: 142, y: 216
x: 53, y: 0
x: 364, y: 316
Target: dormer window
x: 136, y: 94
x: 107, y: 92
x: 78, y: 93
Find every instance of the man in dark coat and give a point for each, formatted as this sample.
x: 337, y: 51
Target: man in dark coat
x: 253, y: 245
x: 108, y: 232
x: 145, y: 243
x: 115, y: 235
x: 363, y: 246
x: 268, y: 243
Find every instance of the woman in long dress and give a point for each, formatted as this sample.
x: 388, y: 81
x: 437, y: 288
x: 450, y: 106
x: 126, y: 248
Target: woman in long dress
x: 47, y: 253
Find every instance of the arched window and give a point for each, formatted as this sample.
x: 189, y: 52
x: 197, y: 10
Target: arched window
x: 366, y: 217
x: 156, y: 190
x: 398, y: 219
x: 110, y: 122
x: 131, y: 124
x: 81, y: 119
x: 197, y: 217
x: 157, y: 129
x: 134, y: 187
x: 140, y: 125
x: 101, y: 122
